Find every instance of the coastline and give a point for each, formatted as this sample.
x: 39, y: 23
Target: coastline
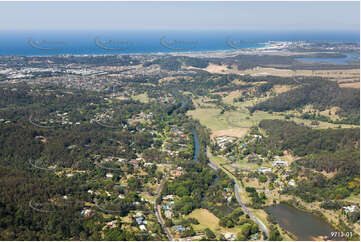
x: 268, y: 47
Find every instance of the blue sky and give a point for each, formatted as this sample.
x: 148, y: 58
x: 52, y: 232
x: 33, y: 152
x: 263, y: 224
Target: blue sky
x: 270, y: 16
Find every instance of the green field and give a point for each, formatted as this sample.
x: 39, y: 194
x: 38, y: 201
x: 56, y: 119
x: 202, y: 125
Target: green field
x: 207, y: 219
x: 238, y: 122
x: 141, y: 98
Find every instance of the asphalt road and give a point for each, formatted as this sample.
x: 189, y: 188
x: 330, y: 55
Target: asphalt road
x: 260, y: 224
x: 157, y: 209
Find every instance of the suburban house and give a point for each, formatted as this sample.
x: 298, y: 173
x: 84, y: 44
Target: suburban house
x: 168, y: 214
x: 142, y: 227
x: 112, y: 224
x: 229, y: 236
x: 350, y: 209
x: 264, y: 170
x: 86, y: 212
x: 280, y: 163
x: 292, y: 183
x: 178, y: 228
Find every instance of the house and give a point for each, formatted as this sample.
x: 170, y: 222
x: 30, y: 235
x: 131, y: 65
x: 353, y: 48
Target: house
x: 168, y: 197
x: 178, y: 228
x: 222, y: 141
x: 168, y: 214
x: 148, y: 164
x: 121, y: 160
x: 139, y: 214
x: 280, y: 163
x: 86, y: 212
x: 264, y: 170
x: 229, y: 236
x: 349, y: 209
x: 144, y: 200
x: 109, y: 175
x: 176, y: 173
x: 139, y: 220
x: 292, y: 183
x: 142, y: 227
x: 112, y: 224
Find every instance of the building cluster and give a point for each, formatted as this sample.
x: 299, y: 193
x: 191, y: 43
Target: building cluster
x: 167, y: 205
x: 223, y: 141
x: 141, y: 221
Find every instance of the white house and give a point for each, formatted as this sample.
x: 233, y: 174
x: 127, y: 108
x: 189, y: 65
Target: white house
x: 142, y: 227
x: 350, y: 209
x: 229, y: 236
x: 280, y: 163
x: 168, y: 197
x: 264, y: 170
x: 292, y: 183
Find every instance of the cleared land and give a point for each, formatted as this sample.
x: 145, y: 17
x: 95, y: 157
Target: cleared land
x: 207, y: 219
x: 141, y: 98
x: 237, y: 123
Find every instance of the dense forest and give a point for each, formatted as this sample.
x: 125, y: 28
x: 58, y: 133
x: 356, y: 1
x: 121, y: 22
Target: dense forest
x: 319, y: 150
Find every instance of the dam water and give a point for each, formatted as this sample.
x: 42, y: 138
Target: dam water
x: 304, y: 225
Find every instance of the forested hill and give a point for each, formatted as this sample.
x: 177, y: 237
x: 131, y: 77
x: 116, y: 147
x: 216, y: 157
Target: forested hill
x: 286, y: 135
x: 321, y: 149
x: 321, y: 94
x: 335, y: 151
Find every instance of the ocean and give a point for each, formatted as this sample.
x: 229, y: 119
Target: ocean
x: 44, y: 43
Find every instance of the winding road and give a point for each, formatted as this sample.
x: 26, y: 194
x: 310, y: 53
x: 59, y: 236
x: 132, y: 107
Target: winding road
x: 260, y: 224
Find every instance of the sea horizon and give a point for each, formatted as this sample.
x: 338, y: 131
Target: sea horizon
x: 111, y: 42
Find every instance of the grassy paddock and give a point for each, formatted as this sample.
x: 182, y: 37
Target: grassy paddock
x: 207, y: 219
